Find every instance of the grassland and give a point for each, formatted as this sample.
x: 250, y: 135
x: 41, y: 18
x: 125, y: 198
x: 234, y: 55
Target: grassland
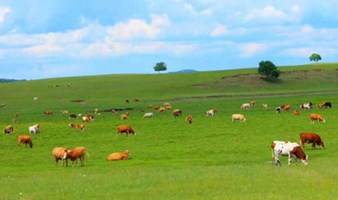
x: 211, y: 159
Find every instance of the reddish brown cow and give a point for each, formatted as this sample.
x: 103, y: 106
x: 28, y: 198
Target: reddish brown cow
x: 26, y: 140
x: 316, y: 117
x: 77, y: 126
x: 125, y: 129
x: 77, y: 153
x: 311, y: 138
x: 285, y: 107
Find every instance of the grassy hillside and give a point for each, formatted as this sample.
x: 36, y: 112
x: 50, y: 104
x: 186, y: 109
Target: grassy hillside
x: 211, y: 159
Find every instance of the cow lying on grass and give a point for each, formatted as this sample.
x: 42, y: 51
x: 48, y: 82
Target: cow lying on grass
x: 77, y: 126
x: 123, y: 155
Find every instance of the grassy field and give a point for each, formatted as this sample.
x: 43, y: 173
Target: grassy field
x: 212, y: 158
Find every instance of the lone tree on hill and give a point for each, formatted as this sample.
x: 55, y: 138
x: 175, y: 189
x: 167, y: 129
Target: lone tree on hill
x: 160, y: 66
x: 268, y: 70
x: 315, y: 57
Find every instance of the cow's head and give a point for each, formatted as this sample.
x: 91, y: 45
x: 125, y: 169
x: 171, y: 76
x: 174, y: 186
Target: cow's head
x: 299, y: 153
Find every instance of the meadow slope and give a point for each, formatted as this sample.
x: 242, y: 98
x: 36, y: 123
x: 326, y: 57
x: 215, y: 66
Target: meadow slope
x: 212, y: 158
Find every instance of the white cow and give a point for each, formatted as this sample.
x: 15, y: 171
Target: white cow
x: 211, y: 112
x: 290, y: 149
x: 34, y: 129
x: 238, y: 117
x: 306, y: 106
x: 245, y: 106
x: 148, y: 115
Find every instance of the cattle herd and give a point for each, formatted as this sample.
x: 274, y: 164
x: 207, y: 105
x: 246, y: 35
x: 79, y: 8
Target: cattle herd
x: 279, y: 148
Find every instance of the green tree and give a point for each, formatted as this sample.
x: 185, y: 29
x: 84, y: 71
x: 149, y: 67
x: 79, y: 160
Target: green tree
x: 160, y: 66
x: 315, y: 57
x: 268, y: 70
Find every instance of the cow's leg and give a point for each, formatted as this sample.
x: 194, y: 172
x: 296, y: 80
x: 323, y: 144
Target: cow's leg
x: 313, y: 145
x: 289, y: 159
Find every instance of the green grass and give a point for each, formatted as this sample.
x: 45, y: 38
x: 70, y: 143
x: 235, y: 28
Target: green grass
x: 211, y: 159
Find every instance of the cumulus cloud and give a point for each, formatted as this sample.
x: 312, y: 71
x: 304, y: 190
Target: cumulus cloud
x: 4, y: 12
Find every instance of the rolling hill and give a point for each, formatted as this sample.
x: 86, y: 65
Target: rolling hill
x: 212, y: 158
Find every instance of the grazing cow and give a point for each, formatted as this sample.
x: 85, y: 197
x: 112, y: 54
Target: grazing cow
x: 306, y: 106
x: 167, y: 106
x: 148, y: 115
x: 34, y: 129
x: 77, y: 153
x: 252, y: 102
x: 291, y: 149
x: 9, y: 129
x: 238, y: 117
x: 296, y: 112
x: 48, y: 113
x: 87, y: 118
x: 311, y: 138
x: 245, y: 106
x: 26, y: 140
x: 60, y: 153
x: 161, y: 109
x: 123, y: 155
x: 316, y: 117
x: 211, y: 112
x: 265, y: 106
x: 127, y: 100
x: 284, y: 107
x: 77, y: 126
x: 125, y: 129
x: 72, y: 116
x: 124, y: 116
x: 325, y: 104
x: 177, y: 112
x: 189, y: 119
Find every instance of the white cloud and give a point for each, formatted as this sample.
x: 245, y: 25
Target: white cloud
x: 4, y: 12
x: 270, y: 14
x: 219, y: 30
x: 138, y: 29
x: 307, y: 51
x: 251, y: 49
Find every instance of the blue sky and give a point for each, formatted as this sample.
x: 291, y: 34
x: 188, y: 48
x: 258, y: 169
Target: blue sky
x: 55, y: 38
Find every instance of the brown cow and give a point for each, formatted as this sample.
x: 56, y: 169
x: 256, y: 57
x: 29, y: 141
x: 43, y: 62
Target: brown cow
x: 60, y: 153
x: 9, y: 129
x: 167, y: 106
x: 123, y: 155
x: 285, y: 107
x: 48, y: 112
x: 77, y: 126
x: 311, y: 138
x: 125, y: 129
x: 316, y: 117
x: 177, y: 112
x: 77, y: 153
x: 189, y: 119
x: 25, y: 139
x: 161, y: 109
x: 296, y: 112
